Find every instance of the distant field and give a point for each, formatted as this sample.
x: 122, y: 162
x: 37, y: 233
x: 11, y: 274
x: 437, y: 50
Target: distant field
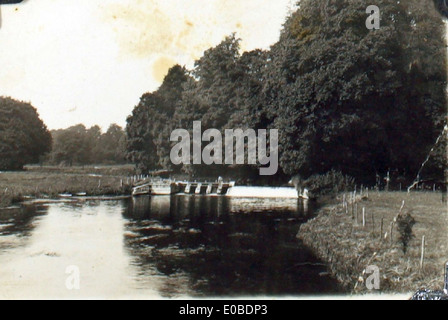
x: 49, y: 182
x: 348, y: 247
x: 107, y: 170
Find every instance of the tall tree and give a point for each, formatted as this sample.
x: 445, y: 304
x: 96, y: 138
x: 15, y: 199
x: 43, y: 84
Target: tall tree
x: 78, y: 145
x: 358, y: 100
x: 112, y: 145
x: 24, y: 138
x: 343, y: 96
x: 151, y: 123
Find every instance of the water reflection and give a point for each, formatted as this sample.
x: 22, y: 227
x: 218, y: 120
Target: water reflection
x: 88, y: 236
x: 217, y: 246
x: 16, y: 225
x: 178, y: 246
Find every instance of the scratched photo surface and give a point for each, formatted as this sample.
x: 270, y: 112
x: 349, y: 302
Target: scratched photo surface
x: 171, y: 149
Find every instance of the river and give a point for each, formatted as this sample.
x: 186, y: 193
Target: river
x: 159, y: 247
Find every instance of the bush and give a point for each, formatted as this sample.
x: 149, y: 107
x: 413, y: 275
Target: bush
x: 405, y: 223
x: 330, y: 183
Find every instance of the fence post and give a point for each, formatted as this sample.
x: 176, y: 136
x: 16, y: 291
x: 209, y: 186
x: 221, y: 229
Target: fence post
x: 363, y: 217
x: 422, y: 259
x: 392, y: 233
x: 353, y: 207
x: 382, y: 228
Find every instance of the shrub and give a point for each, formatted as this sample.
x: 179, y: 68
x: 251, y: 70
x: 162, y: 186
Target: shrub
x: 330, y: 183
x: 405, y: 223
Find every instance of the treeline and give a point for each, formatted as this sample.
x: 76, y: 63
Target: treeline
x: 362, y: 102
x: 344, y: 98
x: 78, y: 145
x: 24, y: 139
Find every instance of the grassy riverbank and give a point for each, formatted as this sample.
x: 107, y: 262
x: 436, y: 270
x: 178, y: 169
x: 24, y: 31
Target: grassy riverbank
x: 50, y: 182
x: 340, y: 239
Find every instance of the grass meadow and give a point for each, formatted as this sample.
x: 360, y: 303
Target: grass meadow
x: 349, y: 244
x: 50, y: 182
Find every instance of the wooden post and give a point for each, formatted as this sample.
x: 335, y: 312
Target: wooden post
x: 392, y: 233
x: 422, y: 259
x: 363, y: 217
x: 382, y: 228
x: 353, y: 208
x: 373, y: 222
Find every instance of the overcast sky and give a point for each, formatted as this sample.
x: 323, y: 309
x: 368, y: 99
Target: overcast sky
x: 89, y: 61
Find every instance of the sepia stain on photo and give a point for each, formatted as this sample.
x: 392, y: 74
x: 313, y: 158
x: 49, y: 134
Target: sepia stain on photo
x: 223, y: 149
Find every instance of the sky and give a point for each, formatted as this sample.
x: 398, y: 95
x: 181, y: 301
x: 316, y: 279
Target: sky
x: 89, y: 61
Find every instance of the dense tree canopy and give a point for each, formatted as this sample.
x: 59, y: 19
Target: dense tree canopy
x: 24, y: 138
x: 78, y: 145
x: 357, y: 100
x: 150, y: 125
x: 343, y: 97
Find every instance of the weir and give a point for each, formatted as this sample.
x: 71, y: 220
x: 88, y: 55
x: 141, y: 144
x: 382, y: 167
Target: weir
x: 170, y: 187
x: 265, y: 192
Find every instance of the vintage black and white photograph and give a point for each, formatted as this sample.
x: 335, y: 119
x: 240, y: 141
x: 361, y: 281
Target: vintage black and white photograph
x: 223, y: 149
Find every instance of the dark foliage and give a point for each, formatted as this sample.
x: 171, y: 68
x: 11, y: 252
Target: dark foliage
x: 405, y: 223
x: 78, y: 145
x: 345, y: 98
x: 24, y: 138
x: 330, y: 183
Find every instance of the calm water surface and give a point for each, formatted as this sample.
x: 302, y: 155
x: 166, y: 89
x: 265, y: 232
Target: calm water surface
x: 160, y: 247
